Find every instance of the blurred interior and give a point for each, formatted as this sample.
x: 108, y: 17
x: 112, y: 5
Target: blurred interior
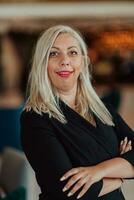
x: 108, y: 29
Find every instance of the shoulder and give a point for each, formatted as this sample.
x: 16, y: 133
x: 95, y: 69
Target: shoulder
x: 114, y: 114
x: 109, y: 107
x: 33, y: 118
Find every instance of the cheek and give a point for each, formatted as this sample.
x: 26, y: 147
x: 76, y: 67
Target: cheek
x: 78, y: 66
x: 50, y: 70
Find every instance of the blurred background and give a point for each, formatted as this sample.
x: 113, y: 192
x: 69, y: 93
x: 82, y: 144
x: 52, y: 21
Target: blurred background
x: 108, y: 29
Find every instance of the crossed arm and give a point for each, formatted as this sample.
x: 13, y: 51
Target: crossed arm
x: 39, y: 141
x: 110, y: 184
x: 111, y: 171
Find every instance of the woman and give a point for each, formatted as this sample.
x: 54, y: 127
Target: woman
x: 69, y: 136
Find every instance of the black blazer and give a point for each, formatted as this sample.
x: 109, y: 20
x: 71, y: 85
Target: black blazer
x: 53, y: 148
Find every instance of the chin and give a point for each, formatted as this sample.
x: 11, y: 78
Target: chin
x: 65, y: 88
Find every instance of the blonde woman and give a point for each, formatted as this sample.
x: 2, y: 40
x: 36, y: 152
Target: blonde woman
x: 74, y: 143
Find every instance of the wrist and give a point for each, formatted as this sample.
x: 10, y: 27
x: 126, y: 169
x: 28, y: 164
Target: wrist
x: 101, y: 170
x: 106, y: 167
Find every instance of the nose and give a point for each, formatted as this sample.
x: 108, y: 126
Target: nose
x: 65, y: 61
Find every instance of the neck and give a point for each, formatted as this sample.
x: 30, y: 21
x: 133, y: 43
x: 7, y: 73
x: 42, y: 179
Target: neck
x: 69, y: 96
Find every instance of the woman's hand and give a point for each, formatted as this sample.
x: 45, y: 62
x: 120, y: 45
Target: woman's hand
x: 84, y: 176
x: 125, y: 146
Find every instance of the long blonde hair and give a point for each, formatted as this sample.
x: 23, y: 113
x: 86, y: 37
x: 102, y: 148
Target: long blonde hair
x: 41, y: 95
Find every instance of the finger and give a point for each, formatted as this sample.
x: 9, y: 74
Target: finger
x: 84, y: 189
x: 77, y: 186
x: 128, y: 145
x: 127, y: 148
x: 125, y: 140
x: 121, y: 143
x: 70, y: 173
x: 71, y: 182
x: 124, y: 144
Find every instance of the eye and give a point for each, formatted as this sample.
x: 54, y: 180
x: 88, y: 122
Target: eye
x: 73, y: 53
x: 53, y: 54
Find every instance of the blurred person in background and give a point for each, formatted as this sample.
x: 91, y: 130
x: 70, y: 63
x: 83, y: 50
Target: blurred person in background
x: 78, y: 146
x: 128, y: 66
x: 11, y: 99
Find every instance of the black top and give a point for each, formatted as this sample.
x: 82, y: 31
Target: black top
x: 53, y: 148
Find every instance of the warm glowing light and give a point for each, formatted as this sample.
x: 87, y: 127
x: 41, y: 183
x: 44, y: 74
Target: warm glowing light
x: 118, y: 39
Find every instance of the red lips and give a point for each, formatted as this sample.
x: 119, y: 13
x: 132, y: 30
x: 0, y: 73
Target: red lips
x: 64, y: 73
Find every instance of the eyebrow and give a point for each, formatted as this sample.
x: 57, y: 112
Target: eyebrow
x: 68, y: 47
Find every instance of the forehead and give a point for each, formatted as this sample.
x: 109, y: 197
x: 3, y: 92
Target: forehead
x: 65, y: 39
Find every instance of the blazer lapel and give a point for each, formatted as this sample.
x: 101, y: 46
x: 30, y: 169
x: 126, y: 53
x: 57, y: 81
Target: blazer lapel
x: 94, y: 131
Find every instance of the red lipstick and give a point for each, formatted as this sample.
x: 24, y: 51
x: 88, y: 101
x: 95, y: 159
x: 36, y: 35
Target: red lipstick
x: 64, y: 73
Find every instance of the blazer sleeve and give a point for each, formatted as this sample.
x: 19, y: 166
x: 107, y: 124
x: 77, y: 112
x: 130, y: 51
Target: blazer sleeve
x: 49, y: 158
x: 122, y: 130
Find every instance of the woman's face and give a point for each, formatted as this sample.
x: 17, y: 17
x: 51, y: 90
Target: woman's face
x: 65, y: 62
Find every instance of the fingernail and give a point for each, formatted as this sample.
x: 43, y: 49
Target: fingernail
x: 62, y: 178
x: 69, y: 194
x: 125, y: 138
x: 64, y: 189
x: 121, y: 142
x: 78, y: 196
x: 129, y: 142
